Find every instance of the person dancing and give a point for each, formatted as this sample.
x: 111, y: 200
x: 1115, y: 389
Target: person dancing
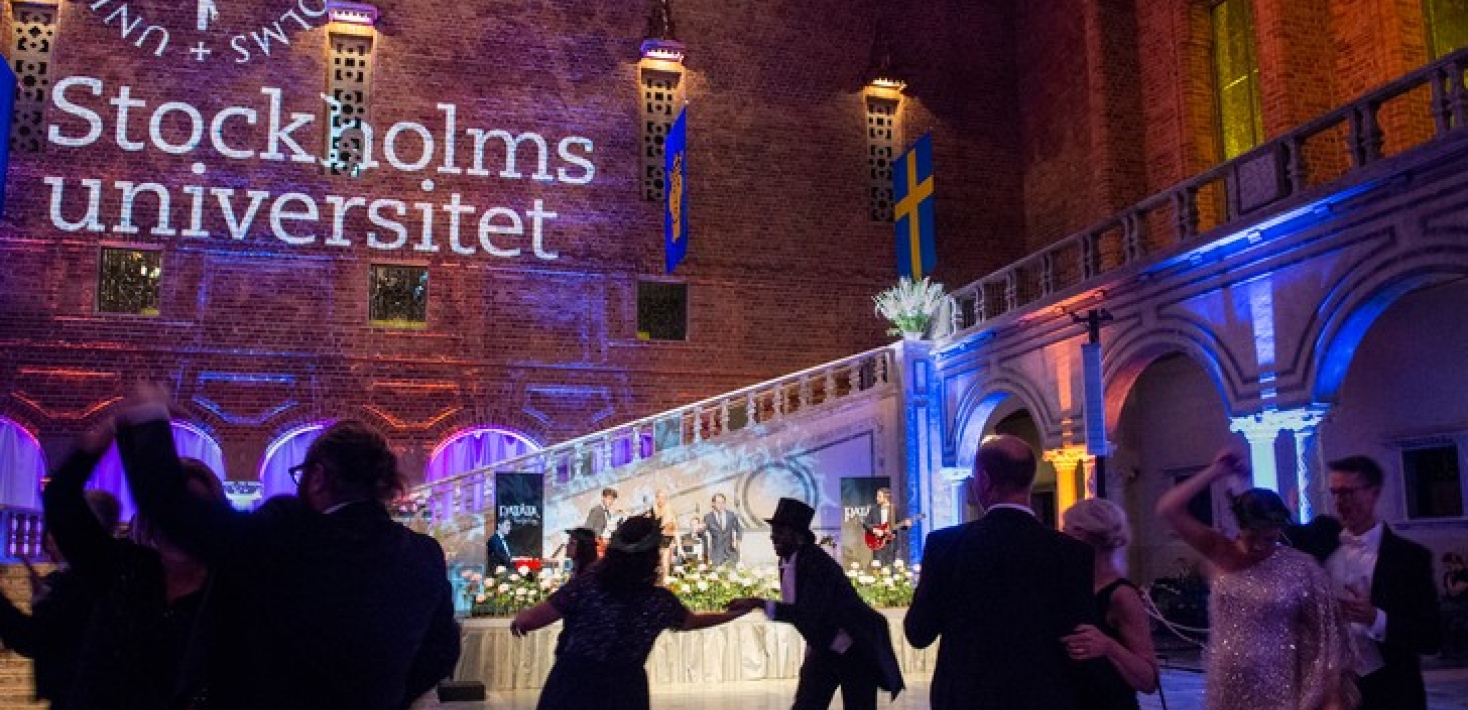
x: 1119, y: 645
x: 1278, y: 639
x: 612, y: 615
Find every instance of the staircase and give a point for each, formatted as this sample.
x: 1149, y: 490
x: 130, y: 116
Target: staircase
x: 643, y: 454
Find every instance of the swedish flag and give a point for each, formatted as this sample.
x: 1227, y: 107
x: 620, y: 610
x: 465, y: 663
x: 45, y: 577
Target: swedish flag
x: 675, y: 190
x: 912, y: 187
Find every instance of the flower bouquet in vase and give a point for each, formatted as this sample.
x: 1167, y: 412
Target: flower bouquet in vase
x: 909, y: 306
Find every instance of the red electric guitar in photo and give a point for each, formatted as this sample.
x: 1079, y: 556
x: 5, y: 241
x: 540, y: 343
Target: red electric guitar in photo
x: 880, y: 535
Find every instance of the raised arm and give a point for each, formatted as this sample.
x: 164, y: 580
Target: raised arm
x: 1172, y: 507
x: 87, y: 547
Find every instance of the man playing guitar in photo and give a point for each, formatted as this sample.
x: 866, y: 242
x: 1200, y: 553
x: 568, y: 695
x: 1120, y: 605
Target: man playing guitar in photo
x: 882, y: 527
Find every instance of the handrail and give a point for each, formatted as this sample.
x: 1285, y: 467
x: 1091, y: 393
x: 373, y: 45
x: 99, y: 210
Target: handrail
x: 643, y: 438
x: 1287, y: 166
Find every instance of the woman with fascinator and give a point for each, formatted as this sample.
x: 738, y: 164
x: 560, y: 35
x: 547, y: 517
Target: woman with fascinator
x: 1278, y: 639
x: 612, y: 616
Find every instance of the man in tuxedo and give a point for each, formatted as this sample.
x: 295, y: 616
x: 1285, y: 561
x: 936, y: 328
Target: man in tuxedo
x: 724, y: 533
x: 326, y: 602
x: 1385, y: 583
x: 498, y: 549
x: 848, y: 644
x: 601, y: 517
x: 1002, y: 591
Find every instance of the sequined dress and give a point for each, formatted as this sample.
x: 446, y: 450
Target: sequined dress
x: 1278, y: 640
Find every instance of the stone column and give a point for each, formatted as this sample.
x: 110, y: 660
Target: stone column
x: 1262, y: 430
x: 922, y: 435
x: 1067, y: 490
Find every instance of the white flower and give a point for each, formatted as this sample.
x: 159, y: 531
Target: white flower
x: 523, y: 570
x: 899, y: 564
x: 703, y: 586
x: 889, y: 582
x: 917, y: 569
x: 514, y: 578
x: 852, y: 573
x: 908, y: 305
x: 855, y: 565
x: 866, y: 579
x: 476, y: 578
x: 876, y: 563
x: 499, y: 570
x: 521, y: 592
x: 480, y: 598
x: 503, y: 588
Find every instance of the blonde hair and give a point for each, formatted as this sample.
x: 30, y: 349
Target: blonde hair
x: 1099, y: 523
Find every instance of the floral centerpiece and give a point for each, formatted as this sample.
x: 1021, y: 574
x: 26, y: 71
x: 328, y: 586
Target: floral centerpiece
x: 704, y: 588
x: 504, y: 592
x: 882, y: 586
x: 909, y: 306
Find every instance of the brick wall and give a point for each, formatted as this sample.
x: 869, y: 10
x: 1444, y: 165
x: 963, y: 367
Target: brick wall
x: 258, y: 336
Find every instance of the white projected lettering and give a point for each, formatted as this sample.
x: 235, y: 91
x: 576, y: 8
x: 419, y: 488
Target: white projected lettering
x: 271, y: 133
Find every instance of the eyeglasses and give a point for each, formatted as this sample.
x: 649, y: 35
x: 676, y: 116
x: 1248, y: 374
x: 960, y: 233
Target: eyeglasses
x: 297, y: 471
x: 1347, y: 491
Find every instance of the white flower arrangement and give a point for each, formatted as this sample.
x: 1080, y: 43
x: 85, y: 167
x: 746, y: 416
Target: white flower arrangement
x: 909, y: 306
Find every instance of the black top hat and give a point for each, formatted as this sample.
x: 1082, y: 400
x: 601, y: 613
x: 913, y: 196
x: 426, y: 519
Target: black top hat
x: 793, y: 513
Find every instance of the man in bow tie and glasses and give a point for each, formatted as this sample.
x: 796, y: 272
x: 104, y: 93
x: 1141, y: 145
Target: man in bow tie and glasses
x: 1385, y: 584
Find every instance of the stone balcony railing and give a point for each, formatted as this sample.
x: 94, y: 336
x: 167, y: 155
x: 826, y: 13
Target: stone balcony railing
x: 589, y: 456
x: 20, y: 534
x: 1308, y: 167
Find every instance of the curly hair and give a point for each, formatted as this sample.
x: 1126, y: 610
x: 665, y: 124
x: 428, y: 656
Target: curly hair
x: 1099, y: 523
x: 357, y: 460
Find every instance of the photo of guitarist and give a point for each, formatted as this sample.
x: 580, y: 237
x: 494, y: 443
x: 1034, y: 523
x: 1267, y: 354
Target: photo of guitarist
x: 882, y: 525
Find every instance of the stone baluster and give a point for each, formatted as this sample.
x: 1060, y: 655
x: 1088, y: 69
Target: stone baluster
x: 1295, y: 168
x: 751, y: 408
x: 698, y: 425
x: 1131, y: 237
x: 1442, y: 111
x: 604, y: 462
x: 578, y: 461
x: 636, y: 442
x: 829, y: 385
x: 1047, y: 272
x: 1185, y: 213
x: 853, y: 378
x: 805, y: 394
x: 724, y: 417
x: 779, y: 400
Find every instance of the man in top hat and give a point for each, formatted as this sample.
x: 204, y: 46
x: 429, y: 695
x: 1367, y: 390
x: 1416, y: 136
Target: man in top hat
x: 848, y: 645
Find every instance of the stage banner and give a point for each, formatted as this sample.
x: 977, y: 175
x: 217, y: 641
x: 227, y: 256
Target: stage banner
x: 912, y: 219
x: 7, y: 109
x: 675, y: 181
x: 858, y: 495
x: 520, y: 499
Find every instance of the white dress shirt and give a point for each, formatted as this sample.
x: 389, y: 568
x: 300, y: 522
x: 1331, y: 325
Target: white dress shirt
x: 1353, y: 567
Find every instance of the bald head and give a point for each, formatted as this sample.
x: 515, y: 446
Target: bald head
x: 1004, y: 470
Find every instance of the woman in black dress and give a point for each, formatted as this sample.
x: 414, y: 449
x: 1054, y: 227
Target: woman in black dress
x: 1118, y: 649
x: 612, y: 616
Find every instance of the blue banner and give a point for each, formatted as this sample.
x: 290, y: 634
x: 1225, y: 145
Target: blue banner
x: 914, y: 224
x: 675, y: 190
x: 7, y: 109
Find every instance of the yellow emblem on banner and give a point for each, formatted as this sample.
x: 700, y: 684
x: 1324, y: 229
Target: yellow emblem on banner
x: 675, y: 196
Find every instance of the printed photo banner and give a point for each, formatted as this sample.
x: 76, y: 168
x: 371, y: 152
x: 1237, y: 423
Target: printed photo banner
x: 858, y: 495
x: 520, y: 499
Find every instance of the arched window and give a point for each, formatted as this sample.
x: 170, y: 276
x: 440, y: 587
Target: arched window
x: 24, y: 466
x: 189, y: 440
x: 287, y: 450
x: 1236, y: 77
x: 476, y: 448
x: 1447, y: 25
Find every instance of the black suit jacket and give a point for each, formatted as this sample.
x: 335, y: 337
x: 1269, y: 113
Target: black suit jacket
x: 498, y: 554
x: 597, y: 520
x: 1402, y: 586
x: 826, y: 603
x: 341, y: 610
x: 1001, y: 591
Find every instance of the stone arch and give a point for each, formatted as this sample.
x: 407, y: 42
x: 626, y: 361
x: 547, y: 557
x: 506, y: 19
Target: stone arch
x: 25, y: 465
x: 1130, y: 354
x: 1357, y: 302
x: 977, y: 406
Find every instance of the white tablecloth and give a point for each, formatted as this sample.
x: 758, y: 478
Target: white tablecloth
x: 748, y: 648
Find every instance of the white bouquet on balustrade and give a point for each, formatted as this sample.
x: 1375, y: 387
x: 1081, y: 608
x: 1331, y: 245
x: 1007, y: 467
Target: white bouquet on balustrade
x: 910, y: 306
